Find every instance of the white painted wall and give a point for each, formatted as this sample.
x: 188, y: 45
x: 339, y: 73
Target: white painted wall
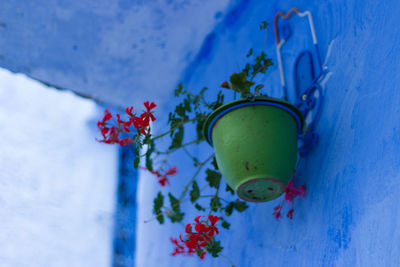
x: 57, y: 184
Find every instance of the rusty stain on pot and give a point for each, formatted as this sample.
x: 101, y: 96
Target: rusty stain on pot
x: 246, y: 164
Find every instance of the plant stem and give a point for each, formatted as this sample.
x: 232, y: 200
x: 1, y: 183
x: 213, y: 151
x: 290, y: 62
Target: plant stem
x: 182, y: 146
x: 265, y: 40
x: 163, y: 212
x: 230, y: 261
x: 173, y: 129
x: 181, y: 200
x: 195, y: 160
x: 201, y: 165
x: 214, y: 196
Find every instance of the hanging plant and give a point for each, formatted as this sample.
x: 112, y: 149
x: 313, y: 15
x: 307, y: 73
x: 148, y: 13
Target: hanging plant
x: 255, y: 144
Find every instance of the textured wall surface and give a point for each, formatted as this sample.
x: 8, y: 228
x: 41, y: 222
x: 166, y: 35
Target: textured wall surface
x: 57, y: 183
x: 351, y: 214
x: 119, y: 52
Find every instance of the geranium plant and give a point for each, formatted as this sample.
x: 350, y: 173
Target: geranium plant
x: 199, y: 238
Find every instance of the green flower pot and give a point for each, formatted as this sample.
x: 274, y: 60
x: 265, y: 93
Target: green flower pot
x: 255, y: 143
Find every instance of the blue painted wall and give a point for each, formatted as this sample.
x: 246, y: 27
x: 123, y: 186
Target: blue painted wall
x: 351, y: 214
x: 125, y: 212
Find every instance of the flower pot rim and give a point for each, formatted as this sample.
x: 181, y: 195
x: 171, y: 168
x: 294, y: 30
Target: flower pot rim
x: 243, y: 102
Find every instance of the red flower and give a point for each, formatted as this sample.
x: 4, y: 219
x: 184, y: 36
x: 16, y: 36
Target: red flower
x: 198, y: 237
x: 288, y: 192
x: 213, y: 229
x: 277, y: 212
x: 125, y: 141
x: 102, y: 124
x: 159, y: 175
x: 225, y: 85
x: 119, y: 119
x: 291, y: 191
x: 112, y: 137
x: 107, y: 116
x: 213, y: 219
x: 163, y: 181
x: 197, y: 219
x: 125, y: 124
x: 103, y: 130
x: 162, y: 178
x: 290, y: 214
x: 302, y: 190
x: 128, y: 111
x: 188, y: 228
x: 171, y: 171
x: 179, y: 248
x: 139, y: 124
x: 147, y: 115
x: 200, y: 228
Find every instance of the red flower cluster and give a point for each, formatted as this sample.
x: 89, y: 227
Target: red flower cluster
x: 162, y: 178
x: 196, y: 241
x: 290, y: 193
x: 140, y: 123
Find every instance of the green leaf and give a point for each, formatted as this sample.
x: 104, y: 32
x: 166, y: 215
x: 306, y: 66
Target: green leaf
x: 214, y: 163
x: 215, y: 203
x: 160, y: 218
x: 247, y: 69
x: 229, y: 189
x: 137, y: 150
x: 136, y: 162
x: 157, y: 205
x: 263, y: 25
x: 213, y: 178
x: 197, y: 206
x: 257, y: 89
x: 240, y: 205
x: 199, y: 97
x: 199, y: 127
x: 225, y: 224
x: 196, y: 162
x: 180, y: 110
x: 177, y: 139
x: 174, y: 125
x: 178, y: 90
x: 229, y: 209
x: 214, y: 248
x: 147, y: 139
x: 176, y: 215
x: 250, y: 52
x: 261, y: 64
x: 186, y: 104
x: 195, y: 192
x: 175, y: 205
x: 149, y: 163
x: 219, y: 102
x: 240, y: 83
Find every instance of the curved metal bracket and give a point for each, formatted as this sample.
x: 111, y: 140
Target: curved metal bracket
x: 307, y: 88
